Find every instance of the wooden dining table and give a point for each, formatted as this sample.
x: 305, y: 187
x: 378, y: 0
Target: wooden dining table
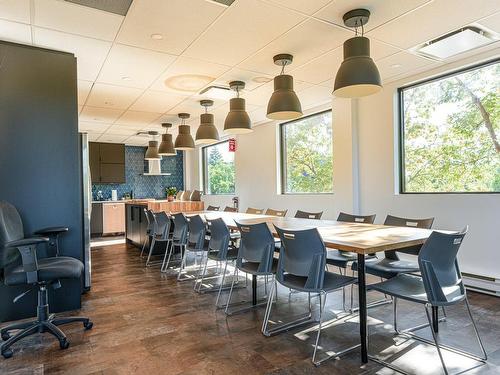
x: 359, y: 238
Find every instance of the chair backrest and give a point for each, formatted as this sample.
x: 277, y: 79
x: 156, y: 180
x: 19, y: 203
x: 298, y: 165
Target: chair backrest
x: 405, y: 222
x: 219, y: 238
x: 439, y: 267
x: 178, y: 196
x: 349, y: 218
x: 230, y: 209
x: 255, y: 211
x: 302, y: 254
x: 256, y: 246
x: 150, y: 220
x: 308, y: 215
x: 197, y: 229
x: 195, y: 196
x: 273, y: 212
x: 213, y: 208
x: 186, y: 195
x: 161, y: 225
x: 11, y: 229
x: 180, y: 228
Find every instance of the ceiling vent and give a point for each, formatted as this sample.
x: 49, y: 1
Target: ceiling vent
x: 225, y: 3
x: 217, y: 92
x: 456, y: 42
x: 112, y: 6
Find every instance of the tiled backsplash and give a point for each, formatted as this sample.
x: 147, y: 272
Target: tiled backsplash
x: 145, y: 186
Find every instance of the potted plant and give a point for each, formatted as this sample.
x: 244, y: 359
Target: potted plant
x: 171, y: 191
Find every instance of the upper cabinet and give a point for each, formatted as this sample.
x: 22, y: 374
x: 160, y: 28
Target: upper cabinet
x: 107, y: 163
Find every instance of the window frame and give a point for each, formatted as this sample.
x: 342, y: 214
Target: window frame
x: 401, y: 130
x: 282, y: 151
x: 204, y: 167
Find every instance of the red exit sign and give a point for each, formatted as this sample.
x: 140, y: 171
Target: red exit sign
x: 232, y: 145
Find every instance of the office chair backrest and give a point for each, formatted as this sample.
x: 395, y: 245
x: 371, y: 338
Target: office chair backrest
x: 302, y: 253
x: 219, y: 238
x: 161, y: 225
x: 230, y: 209
x: 195, y: 196
x: 179, y: 195
x: 11, y: 229
x: 308, y: 215
x: 197, y: 228
x: 213, y: 208
x: 280, y: 213
x: 150, y: 220
x: 180, y: 228
x: 186, y: 195
x: 405, y: 222
x: 256, y: 246
x: 348, y: 218
x: 439, y: 267
x: 255, y: 211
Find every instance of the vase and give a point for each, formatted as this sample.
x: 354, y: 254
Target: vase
x: 170, y: 198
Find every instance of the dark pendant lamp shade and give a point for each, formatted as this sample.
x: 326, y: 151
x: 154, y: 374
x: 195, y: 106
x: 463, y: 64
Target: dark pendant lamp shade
x: 166, y: 146
x: 207, y: 132
x: 237, y: 120
x: 152, y: 151
x: 284, y: 103
x: 358, y: 75
x: 184, y: 141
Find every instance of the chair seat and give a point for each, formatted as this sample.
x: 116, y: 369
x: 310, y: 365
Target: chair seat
x: 232, y: 254
x: 49, y: 269
x: 331, y: 282
x: 252, y: 268
x: 388, y: 268
x: 411, y: 288
x: 340, y: 258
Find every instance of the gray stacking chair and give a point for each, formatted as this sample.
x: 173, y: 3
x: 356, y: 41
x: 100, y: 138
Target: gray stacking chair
x: 440, y: 285
x: 301, y: 267
x: 159, y: 234
x: 230, y: 209
x: 196, y: 244
x: 186, y: 196
x: 149, y: 228
x: 272, y: 212
x: 308, y: 215
x: 179, y: 239
x: 219, y: 250
x: 195, y: 196
x: 179, y: 194
x: 213, y: 208
x: 255, y: 211
x: 255, y: 257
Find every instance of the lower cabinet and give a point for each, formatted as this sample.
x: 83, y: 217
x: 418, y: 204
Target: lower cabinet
x: 135, y: 225
x: 113, y: 218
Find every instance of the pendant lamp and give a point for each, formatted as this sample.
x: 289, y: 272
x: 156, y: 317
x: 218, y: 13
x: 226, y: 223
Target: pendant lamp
x: 152, y: 150
x: 184, y: 141
x: 284, y: 103
x: 358, y: 75
x: 166, y: 146
x: 207, y: 132
x: 237, y: 120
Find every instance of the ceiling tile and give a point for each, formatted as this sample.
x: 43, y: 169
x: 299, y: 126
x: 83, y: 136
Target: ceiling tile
x: 305, y: 42
x: 191, y: 106
x: 95, y: 114
x: 187, y: 75
x: 90, y: 53
x: 15, y: 32
x: 381, y: 11
x: 137, y: 118
x: 252, y: 79
x: 308, y: 7
x: 157, y: 101
x: 112, y: 138
x: 259, y: 116
x: 133, y: 67
x: 402, y: 63
x: 492, y: 22
x: 137, y: 141
x: 121, y: 130
x: 84, y: 88
x: 84, y: 126
x: 433, y: 20
x: 244, y: 27
x: 111, y: 96
x: 320, y: 69
x: 179, y: 22
x: 314, y: 96
x: 171, y: 118
x: 76, y: 19
x: 15, y: 10
x: 93, y: 137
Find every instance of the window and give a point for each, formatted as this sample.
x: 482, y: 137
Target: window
x: 218, y: 169
x: 450, y: 133
x: 307, y: 155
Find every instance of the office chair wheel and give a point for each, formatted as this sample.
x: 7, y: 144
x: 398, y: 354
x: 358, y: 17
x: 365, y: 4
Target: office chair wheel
x: 88, y: 325
x: 7, y: 353
x: 64, y: 344
x: 5, y: 336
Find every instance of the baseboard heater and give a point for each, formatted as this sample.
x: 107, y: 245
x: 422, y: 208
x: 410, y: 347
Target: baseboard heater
x: 482, y: 284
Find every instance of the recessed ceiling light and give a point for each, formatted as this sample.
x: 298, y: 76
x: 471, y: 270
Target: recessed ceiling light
x: 188, y: 82
x: 156, y: 36
x: 108, y: 103
x: 395, y: 66
x: 262, y: 79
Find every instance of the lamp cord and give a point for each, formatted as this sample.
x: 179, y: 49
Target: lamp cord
x: 283, y: 68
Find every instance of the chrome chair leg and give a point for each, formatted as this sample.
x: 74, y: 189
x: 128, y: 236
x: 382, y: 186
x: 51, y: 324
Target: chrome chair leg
x: 151, y: 247
x: 321, y: 308
x: 435, y: 340
x: 202, y: 275
x: 221, y: 286
x: 167, y: 255
x: 485, y: 356
x: 183, y: 265
x: 231, y: 290
x: 265, y: 322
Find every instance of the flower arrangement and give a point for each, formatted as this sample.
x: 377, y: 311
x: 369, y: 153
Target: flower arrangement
x: 171, y: 191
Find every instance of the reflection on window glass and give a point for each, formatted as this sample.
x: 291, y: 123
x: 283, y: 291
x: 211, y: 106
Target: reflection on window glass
x: 307, y: 154
x: 451, y: 133
x: 218, y: 168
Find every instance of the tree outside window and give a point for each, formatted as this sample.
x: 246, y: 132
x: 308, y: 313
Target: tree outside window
x: 218, y: 169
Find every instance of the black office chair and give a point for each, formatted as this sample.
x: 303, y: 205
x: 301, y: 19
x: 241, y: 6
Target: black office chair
x: 179, y: 239
x: 40, y: 273
x: 196, y: 243
x: 308, y: 215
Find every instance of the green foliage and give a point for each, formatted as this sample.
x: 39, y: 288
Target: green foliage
x: 220, y: 169
x: 308, y: 150
x: 452, y: 129
x: 171, y: 191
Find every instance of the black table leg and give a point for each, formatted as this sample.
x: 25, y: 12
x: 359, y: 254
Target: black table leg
x: 254, y: 290
x: 435, y: 319
x: 362, y: 308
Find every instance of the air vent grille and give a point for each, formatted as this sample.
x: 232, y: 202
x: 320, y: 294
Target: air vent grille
x: 226, y: 3
x: 112, y: 6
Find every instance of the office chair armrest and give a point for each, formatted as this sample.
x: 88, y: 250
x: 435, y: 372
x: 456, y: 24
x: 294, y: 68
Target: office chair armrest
x: 27, y: 248
x: 51, y: 231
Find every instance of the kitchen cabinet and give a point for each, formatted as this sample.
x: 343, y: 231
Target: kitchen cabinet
x: 135, y: 224
x: 113, y: 217
x: 96, y: 219
x: 107, y: 162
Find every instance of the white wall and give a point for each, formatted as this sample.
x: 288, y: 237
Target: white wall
x: 365, y: 154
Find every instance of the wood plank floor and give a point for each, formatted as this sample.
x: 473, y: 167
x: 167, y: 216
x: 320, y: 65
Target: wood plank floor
x: 146, y: 323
